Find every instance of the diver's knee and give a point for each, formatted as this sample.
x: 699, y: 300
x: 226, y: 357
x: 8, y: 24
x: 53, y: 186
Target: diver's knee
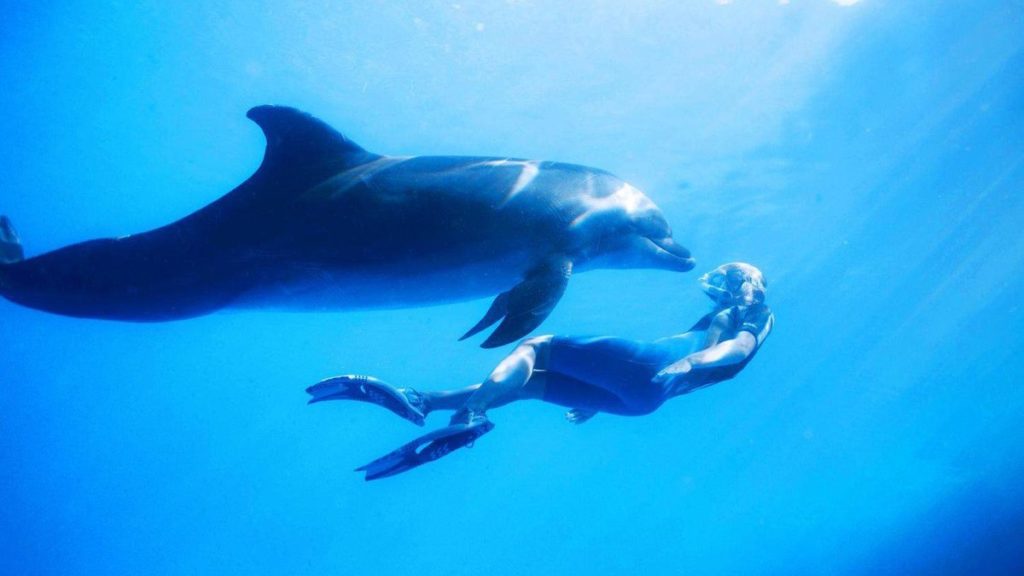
x: 535, y: 341
x: 536, y: 348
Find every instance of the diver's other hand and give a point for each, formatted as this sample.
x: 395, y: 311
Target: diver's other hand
x: 673, y: 371
x: 579, y: 415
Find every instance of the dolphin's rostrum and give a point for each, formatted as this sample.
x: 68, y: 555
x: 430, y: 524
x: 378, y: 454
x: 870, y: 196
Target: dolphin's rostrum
x: 324, y: 224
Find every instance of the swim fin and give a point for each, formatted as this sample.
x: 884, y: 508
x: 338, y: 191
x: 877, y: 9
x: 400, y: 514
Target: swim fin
x: 426, y: 448
x: 404, y: 402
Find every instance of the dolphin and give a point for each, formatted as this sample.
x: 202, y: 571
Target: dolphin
x: 324, y: 224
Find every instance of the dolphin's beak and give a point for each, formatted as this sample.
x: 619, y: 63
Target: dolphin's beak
x: 673, y: 255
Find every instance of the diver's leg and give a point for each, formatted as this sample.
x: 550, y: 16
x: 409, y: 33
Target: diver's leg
x: 519, y: 376
x: 508, y: 380
x: 456, y: 399
x: 515, y: 378
x: 449, y: 399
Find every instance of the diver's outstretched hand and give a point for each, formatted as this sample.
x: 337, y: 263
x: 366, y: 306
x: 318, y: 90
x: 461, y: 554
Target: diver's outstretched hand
x: 672, y: 372
x: 579, y: 415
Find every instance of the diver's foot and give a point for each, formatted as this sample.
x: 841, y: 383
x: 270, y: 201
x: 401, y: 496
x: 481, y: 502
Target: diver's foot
x: 427, y: 448
x: 467, y: 417
x: 405, y: 402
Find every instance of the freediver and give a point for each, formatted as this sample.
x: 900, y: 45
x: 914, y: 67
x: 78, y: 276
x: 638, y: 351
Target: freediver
x: 587, y: 374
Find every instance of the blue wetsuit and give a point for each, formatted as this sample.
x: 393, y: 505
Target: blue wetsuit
x: 614, y: 375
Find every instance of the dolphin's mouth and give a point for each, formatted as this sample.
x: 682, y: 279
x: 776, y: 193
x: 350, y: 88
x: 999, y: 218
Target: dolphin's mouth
x: 668, y: 251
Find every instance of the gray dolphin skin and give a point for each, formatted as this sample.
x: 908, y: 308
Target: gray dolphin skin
x: 326, y: 225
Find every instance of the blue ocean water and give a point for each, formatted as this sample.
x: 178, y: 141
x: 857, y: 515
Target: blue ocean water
x: 868, y: 156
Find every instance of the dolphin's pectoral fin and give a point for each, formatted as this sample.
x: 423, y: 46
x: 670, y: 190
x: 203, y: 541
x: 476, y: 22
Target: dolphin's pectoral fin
x: 496, y: 312
x: 526, y: 305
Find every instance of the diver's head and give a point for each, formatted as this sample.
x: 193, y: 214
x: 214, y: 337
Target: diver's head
x: 735, y: 284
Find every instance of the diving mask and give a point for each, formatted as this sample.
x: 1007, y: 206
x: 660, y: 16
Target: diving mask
x: 735, y: 284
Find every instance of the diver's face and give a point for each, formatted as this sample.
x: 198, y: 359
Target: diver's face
x: 727, y: 287
x: 714, y: 284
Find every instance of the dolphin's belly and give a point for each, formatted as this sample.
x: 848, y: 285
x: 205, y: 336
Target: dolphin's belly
x: 309, y: 286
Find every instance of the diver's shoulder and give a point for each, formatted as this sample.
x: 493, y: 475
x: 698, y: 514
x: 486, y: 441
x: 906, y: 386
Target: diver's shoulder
x: 757, y: 315
x: 757, y: 308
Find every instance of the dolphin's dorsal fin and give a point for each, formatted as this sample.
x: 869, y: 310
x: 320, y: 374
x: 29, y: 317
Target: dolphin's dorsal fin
x: 296, y: 138
x: 10, y: 245
x: 302, y: 152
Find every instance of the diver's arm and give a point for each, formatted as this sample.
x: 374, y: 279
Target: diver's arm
x: 724, y: 353
x: 714, y: 332
x: 731, y: 351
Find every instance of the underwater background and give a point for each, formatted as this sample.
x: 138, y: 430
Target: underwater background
x: 867, y: 156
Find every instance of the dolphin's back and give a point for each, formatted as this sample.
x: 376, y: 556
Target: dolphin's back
x: 438, y: 202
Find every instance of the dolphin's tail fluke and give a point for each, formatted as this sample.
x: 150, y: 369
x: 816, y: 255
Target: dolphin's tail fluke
x: 10, y: 245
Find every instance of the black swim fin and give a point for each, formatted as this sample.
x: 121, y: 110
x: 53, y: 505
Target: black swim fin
x: 526, y: 305
x: 404, y: 402
x: 426, y: 448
